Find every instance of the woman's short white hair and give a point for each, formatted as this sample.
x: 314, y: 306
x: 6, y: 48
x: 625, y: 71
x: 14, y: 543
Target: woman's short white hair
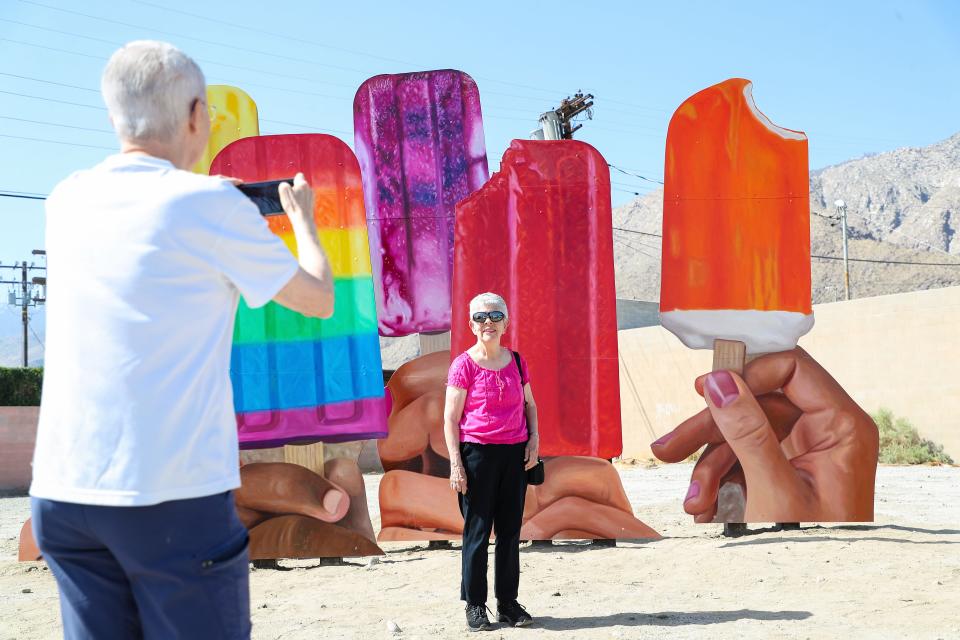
x: 149, y: 87
x: 488, y: 300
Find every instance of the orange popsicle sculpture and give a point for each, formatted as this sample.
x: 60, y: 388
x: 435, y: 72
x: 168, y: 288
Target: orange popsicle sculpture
x: 736, y: 228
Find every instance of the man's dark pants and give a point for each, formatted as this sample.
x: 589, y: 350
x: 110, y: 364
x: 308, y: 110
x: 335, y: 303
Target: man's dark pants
x: 177, y: 569
x: 496, y: 487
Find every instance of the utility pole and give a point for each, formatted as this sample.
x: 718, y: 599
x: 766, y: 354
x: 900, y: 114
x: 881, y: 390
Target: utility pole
x: 842, y: 212
x: 28, y: 296
x: 558, y: 123
x: 25, y: 299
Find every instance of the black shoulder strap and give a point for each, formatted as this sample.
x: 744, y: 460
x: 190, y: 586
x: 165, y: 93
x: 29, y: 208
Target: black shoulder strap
x: 516, y: 356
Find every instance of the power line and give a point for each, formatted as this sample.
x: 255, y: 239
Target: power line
x: 281, y: 56
x: 642, y: 233
x: 24, y: 193
x: 904, y: 262
x: 206, y: 61
x: 635, y: 175
x: 56, y: 49
x: 195, y: 39
x: 114, y: 43
x: 90, y: 106
x: 288, y: 37
x: 59, y: 84
x: 37, y: 337
x: 306, y: 126
x: 655, y: 249
x: 69, y: 144
x: 21, y: 195
x: 640, y: 251
x: 75, y: 104
x: 655, y: 133
x: 283, y: 36
x: 245, y: 83
x: 625, y: 184
x: 899, y: 262
x: 56, y: 124
x: 646, y: 133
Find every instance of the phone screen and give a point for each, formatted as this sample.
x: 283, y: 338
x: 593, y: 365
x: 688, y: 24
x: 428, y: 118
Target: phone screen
x: 266, y: 195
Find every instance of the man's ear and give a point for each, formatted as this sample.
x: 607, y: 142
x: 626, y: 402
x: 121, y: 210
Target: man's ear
x: 197, y: 110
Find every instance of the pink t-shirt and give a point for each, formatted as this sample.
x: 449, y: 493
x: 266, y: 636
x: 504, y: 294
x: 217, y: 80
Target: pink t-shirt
x: 493, y: 411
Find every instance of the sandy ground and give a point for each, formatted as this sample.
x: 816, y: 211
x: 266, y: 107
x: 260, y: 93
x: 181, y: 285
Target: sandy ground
x: 898, y: 578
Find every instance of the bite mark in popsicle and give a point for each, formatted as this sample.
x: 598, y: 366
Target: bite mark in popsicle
x: 736, y: 228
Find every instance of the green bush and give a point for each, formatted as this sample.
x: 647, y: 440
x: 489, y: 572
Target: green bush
x: 20, y: 387
x: 901, y: 444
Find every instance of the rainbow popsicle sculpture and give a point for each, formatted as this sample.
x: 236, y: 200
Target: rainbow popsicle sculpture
x: 297, y: 379
x: 419, y: 141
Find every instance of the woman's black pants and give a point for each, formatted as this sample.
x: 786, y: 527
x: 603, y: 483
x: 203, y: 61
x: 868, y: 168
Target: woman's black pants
x: 496, y: 487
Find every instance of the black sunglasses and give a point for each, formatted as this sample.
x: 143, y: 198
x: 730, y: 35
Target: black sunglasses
x: 495, y: 316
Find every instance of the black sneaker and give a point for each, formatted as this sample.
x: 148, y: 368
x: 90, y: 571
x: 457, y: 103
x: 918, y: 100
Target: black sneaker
x: 513, y: 614
x: 477, y: 617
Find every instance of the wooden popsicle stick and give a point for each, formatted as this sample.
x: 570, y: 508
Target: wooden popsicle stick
x: 432, y: 342
x: 730, y: 355
x: 305, y: 455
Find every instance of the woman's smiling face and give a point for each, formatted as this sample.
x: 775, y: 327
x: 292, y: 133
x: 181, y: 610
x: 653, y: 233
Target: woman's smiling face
x: 488, y: 330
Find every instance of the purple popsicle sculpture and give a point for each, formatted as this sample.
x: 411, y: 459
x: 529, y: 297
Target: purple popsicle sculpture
x: 419, y: 140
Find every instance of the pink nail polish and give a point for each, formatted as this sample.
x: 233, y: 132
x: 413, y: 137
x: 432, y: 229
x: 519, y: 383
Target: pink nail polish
x: 693, y: 491
x: 332, y: 500
x: 722, y: 388
x: 662, y: 439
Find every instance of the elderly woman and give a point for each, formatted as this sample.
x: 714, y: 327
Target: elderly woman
x: 490, y: 427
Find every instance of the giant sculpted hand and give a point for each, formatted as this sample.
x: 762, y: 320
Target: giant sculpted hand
x: 804, y: 450
x: 581, y: 498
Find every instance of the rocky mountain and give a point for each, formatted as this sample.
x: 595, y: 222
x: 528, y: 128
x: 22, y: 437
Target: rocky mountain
x: 910, y: 197
x: 903, y: 207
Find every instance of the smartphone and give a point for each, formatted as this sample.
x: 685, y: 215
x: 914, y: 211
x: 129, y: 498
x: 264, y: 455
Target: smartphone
x: 266, y: 195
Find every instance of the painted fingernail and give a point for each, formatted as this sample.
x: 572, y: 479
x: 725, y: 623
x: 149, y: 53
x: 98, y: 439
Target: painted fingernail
x: 722, y: 388
x: 662, y: 439
x: 693, y: 491
x: 332, y: 500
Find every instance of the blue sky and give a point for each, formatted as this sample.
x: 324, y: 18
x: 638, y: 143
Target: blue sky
x: 861, y: 77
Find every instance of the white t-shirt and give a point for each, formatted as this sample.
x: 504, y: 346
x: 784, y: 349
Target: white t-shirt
x: 145, y: 267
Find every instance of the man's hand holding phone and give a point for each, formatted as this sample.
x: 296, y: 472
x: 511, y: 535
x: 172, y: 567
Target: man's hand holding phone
x: 310, y: 291
x: 297, y: 202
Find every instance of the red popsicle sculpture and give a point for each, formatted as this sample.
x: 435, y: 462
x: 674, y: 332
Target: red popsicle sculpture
x: 539, y: 233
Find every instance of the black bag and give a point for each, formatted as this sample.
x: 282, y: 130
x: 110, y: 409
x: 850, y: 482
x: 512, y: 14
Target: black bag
x: 535, y: 475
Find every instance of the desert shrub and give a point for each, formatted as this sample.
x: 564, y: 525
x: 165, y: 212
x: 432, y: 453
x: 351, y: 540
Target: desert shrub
x: 901, y: 444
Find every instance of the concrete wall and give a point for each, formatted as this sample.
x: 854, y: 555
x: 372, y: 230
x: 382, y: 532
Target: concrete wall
x: 632, y: 314
x: 18, y: 433
x: 900, y: 351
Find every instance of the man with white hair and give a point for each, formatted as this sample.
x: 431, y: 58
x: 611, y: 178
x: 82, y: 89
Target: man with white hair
x: 136, y: 454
